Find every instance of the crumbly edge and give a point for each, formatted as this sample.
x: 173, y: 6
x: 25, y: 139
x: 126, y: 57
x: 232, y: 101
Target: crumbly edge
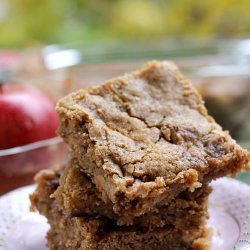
x: 88, y: 232
x: 77, y: 196
x: 125, y: 190
x: 188, y: 207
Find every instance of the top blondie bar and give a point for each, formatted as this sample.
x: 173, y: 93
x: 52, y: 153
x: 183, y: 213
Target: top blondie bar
x: 145, y: 137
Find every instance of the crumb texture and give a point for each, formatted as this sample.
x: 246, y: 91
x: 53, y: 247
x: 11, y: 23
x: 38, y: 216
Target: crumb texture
x: 77, y: 196
x: 146, y: 136
x: 98, y: 232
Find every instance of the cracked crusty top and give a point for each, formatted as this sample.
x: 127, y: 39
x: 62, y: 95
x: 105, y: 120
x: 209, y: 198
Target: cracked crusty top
x: 148, y: 126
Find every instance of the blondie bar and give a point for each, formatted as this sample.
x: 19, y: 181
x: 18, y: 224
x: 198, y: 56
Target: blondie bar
x: 145, y: 137
x: 98, y: 232
x: 83, y: 233
x: 77, y: 196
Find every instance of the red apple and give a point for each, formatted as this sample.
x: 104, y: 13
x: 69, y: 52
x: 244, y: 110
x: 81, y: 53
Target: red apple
x: 26, y: 115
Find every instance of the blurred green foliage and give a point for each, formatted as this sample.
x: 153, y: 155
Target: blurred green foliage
x: 28, y: 22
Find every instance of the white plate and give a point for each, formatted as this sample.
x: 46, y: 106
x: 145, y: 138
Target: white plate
x: 229, y: 208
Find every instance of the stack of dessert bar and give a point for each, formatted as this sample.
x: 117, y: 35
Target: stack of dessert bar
x: 142, y: 153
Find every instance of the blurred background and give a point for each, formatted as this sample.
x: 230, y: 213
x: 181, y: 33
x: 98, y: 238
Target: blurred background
x: 28, y: 23
x: 59, y: 46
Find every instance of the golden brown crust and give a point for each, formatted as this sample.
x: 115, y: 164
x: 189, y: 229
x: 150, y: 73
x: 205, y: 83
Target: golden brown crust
x: 145, y: 137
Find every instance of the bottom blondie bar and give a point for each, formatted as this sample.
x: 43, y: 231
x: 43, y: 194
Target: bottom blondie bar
x: 100, y: 232
x: 85, y: 233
